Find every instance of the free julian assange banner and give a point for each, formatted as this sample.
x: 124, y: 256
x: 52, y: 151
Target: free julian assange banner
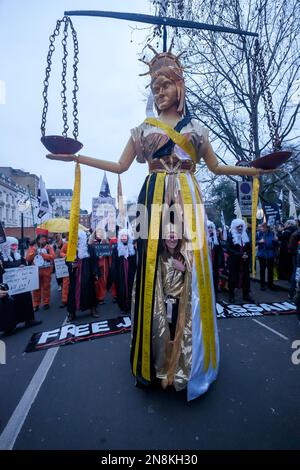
x: 71, y: 333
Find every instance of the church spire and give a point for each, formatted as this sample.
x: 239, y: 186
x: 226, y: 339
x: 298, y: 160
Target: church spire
x: 104, y: 190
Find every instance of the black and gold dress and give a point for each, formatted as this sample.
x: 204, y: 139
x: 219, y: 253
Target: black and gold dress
x: 191, y: 360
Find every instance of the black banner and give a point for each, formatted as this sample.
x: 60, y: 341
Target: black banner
x: 71, y: 333
x: 225, y: 310
x: 104, y: 249
x: 2, y: 234
x: 272, y: 212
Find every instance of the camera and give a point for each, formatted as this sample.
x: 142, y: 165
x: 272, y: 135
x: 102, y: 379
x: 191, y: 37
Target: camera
x: 4, y: 286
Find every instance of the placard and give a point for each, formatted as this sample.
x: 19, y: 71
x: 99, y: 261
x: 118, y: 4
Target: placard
x: 103, y: 249
x: 272, y: 212
x: 20, y: 280
x: 61, y: 269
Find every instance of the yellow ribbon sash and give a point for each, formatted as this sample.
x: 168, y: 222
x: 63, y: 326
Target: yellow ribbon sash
x: 178, y: 138
x: 137, y: 343
x: 203, y: 272
x: 255, y: 192
x: 74, y: 217
x: 145, y: 305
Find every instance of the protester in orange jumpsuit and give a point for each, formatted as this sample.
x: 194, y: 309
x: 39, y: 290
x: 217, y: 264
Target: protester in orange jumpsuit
x: 66, y: 280
x: 41, y: 254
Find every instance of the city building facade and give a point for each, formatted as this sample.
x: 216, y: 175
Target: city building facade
x: 26, y: 180
x: 18, y: 186
x: 11, y: 194
x: 85, y: 218
x: 103, y: 208
x: 60, y: 200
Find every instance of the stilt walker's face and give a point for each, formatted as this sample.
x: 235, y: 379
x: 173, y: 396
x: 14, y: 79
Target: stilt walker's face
x: 172, y: 241
x: 165, y: 93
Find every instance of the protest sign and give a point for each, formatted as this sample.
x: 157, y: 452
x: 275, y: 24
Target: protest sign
x: 25, y: 279
x: 61, y: 269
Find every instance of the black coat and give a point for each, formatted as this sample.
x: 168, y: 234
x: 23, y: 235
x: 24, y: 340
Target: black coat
x: 117, y: 275
x: 238, y: 267
x: 7, y: 316
x: 285, y: 262
x: 94, y: 259
x: 18, y: 308
x: 217, y: 258
x: 85, y: 288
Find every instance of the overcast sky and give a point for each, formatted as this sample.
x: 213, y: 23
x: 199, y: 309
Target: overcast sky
x: 111, y: 95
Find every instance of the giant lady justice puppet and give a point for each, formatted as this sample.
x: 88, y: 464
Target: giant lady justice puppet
x: 172, y: 145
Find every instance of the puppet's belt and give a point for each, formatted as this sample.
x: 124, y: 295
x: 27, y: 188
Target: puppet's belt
x: 171, y: 165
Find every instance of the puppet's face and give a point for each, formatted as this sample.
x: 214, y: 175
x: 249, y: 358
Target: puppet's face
x: 165, y: 93
x: 14, y: 247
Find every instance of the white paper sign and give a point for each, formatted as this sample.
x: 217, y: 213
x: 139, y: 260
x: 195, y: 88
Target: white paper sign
x: 20, y: 280
x: 38, y: 261
x: 61, y: 269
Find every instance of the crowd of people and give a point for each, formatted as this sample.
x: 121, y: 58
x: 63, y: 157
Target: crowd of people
x: 102, y: 264
x: 276, y: 254
x: 108, y: 264
x: 16, y: 308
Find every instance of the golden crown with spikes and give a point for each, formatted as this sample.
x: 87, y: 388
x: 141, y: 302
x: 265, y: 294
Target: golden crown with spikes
x: 164, y: 61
